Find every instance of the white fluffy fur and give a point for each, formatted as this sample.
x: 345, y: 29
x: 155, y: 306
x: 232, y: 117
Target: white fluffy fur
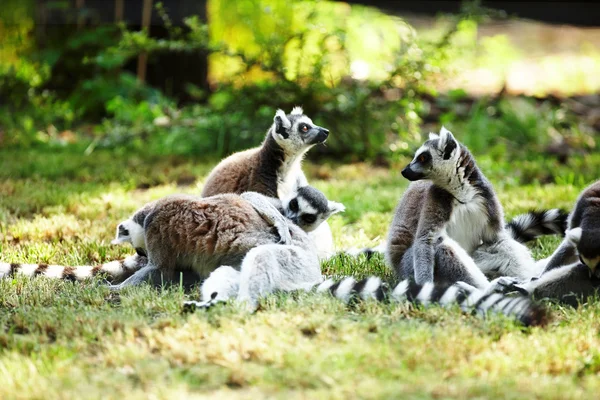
x: 574, y: 235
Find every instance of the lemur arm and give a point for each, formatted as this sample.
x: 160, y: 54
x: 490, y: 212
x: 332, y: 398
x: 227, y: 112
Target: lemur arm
x: 270, y: 209
x: 565, y: 254
x: 434, y: 217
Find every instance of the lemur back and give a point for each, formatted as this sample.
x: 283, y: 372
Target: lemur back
x: 444, y: 218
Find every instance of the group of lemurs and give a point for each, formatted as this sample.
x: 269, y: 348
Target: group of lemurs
x: 258, y: 227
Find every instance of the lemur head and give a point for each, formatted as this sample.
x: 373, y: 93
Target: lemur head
x: 436, y: 159
x: 588, y: 247
x: 295, y: 132
x: 132, y: 231
x: 308, y: 208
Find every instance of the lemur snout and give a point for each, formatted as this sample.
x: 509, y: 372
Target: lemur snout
x: 411, y: 175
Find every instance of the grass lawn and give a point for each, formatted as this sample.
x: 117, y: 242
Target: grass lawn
x: 62, y: 340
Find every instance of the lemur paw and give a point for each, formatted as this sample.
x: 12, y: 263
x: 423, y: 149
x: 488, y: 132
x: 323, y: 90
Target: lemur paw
x: 503, y: 284
x: 284, y: 234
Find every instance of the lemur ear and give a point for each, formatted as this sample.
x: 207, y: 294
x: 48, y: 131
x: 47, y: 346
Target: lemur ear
x: 433, y: 136
x: 335, y: 207
x: 447, y: 143
x: 282, y: 124
x: 297, y: 111
x: 574, y: 235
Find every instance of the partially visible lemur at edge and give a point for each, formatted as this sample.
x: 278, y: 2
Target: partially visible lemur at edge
x: 449, y: 225
x: 275, y: 167
x: 571, y: 273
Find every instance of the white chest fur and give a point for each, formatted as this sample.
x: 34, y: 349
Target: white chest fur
x: 288, y: 177
x: 468, y: 224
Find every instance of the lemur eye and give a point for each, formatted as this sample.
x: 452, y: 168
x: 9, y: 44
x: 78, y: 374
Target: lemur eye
x: 293, y: 205
x: 581, y: 260
x: 309, y: 218
x: 423, y: 158
x: 304, y: 128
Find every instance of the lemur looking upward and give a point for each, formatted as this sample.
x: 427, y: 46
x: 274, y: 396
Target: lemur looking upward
x: 445, y: 215
x: 275, y: 167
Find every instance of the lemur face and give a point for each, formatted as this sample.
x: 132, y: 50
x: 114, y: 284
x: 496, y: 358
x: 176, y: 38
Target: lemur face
x: 588, y: 247
x: 296, y: 132
x: 308, y: 208
x: 130, y: 231
x: 435, y: 159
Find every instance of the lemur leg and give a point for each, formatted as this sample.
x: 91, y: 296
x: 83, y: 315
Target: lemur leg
x: 137, y: 278
x: 565, y: 254
x: 323, y: 240
x: 505, y: 257
x: 568, y: 284
x: 453, y: 264
x: 423, y: 253
x: 222, y: 284
x: 270, y: 213
x: 160, y: 266
x: 268, y: 268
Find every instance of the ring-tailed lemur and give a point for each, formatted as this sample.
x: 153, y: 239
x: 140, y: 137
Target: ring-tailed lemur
x: 204, y: 233
x: 445, y: 217
x: 571, y: 273
x: 271, y: 267
x: 224, y: 283
x: 231, y: 225
x: 275, y: 167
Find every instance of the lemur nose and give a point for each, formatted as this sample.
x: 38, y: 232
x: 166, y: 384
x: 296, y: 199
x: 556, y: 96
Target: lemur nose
x: 325, y: 131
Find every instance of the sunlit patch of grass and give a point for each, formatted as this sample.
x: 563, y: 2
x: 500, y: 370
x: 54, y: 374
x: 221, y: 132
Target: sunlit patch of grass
x: 63, y: 340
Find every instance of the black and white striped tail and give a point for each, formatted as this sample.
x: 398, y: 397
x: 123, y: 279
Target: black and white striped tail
x: 522, y: 308
x: 526, y: 227
x: 114, y: 269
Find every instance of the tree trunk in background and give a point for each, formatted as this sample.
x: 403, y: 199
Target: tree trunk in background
x: 119, y: 7
x: 40, y: 23
x: 143, y: 58
x: 80, y: 18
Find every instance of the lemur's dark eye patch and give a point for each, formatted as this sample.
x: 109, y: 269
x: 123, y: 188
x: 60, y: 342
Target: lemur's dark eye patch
x: 123, y: 231
x: 293, y: 205
x: 424, y: 157
x: 309, y: 218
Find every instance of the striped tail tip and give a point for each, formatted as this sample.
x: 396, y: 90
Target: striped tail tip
x: 535, y: 315
x: 536, y: 223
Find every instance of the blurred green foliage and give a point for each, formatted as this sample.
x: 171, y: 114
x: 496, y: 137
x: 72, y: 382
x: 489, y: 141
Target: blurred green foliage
x: 365, y: 75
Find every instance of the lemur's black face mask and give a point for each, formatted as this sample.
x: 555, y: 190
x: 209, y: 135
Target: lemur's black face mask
x: 416, y: 170
x: 313, y: 134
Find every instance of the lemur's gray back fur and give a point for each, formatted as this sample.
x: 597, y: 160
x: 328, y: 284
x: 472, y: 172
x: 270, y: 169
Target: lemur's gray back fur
x: 449, y: 225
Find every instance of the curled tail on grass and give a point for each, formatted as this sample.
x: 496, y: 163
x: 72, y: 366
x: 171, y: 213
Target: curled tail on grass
x: 220, y: 287
x: 114, y: 269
